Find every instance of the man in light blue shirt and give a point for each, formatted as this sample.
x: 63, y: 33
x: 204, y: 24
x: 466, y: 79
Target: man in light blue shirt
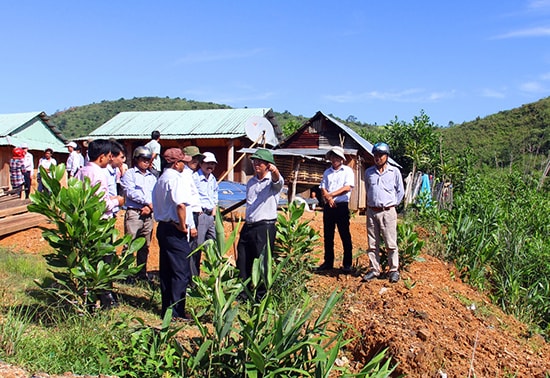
x: 138, y: 183
x: 207, y: 185
x: 385, y: 192
x: 262, y: 198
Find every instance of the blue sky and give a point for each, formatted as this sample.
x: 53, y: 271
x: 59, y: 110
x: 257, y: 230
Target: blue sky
x: 374, y: 60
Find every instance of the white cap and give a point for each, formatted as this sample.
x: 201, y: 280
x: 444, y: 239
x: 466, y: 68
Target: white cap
x: 24, y: 145
x: 209, y: 158
x: 71, y: 144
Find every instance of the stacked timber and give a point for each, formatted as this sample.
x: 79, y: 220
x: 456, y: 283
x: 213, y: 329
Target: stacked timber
x: 14, y: 216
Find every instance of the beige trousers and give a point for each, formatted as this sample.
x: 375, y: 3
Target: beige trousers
x: 382, y: 224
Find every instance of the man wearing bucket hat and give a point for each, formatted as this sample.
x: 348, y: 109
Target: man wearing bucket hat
x: 262, y: 198
x: 171, y: 200
x: 384, y: 192
x: 336, y: 185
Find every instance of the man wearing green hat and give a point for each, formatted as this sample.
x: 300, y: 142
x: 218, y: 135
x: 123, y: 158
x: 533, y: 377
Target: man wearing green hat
x: 262, y: 198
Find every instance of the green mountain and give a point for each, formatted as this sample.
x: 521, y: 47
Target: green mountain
x: 504, y: 137
x: 82, y: 120
x: 501, y: 138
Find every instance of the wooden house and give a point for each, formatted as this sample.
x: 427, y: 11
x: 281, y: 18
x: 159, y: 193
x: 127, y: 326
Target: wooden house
x: 301, y: 157
x: 36, y: 131
x: 220, y: 131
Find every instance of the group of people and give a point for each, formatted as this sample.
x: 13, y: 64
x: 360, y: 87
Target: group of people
x: 181, y: 196
x: 22, y: 166
x: 21, y: 169
x: 179, y: 191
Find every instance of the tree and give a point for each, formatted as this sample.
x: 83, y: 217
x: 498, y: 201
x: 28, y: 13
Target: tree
x: 414, y: 145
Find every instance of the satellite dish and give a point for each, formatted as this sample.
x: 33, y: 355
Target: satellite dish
x: 259, y: 130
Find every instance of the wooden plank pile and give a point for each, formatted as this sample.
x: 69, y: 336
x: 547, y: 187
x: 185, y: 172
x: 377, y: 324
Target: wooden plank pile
x: 14, y: 216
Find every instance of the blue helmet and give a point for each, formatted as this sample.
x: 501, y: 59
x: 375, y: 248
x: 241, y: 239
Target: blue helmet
x: 381, y: 148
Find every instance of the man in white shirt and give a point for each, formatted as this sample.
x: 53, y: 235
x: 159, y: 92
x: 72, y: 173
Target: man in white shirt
x: 28, y: 162
x: 171, y: 200
x: 72, y: 160
x: 336, y: 186
x: 154, y: 146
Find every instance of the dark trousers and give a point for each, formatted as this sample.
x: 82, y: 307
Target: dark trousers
x: 174, y: 270
x: 27, y: 177
x: 253, y: 242
x: 337, y: 217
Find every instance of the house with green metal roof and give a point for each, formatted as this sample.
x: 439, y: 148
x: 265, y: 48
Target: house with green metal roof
x: 32, y: 129
x: 220, y: 131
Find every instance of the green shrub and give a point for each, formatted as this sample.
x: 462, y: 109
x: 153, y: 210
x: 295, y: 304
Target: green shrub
x: 295, y: 242
x: 252, y: 338
x: 144, y: 351
x: 85, y: 262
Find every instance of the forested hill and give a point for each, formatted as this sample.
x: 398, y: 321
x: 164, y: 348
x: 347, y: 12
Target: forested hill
x: 498, y: 138
x: 82, y: 120
x: 505, y: 136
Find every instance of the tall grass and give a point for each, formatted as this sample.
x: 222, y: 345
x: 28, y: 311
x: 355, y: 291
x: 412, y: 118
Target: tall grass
x: 498, y: 233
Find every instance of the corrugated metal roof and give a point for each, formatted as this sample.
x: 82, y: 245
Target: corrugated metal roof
x: 362, y: 142
x: 31, y: 128
x: 180, y: 124
x: 365, y: 144
x: 11, y: 122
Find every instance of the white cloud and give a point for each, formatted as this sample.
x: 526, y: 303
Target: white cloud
x: 216, y: 56
x: 532, y: 32
x: 532, y: 87
x: 492, y: 93
x: 539, y: 4
x: 408, y: 95
x: 233, y: 99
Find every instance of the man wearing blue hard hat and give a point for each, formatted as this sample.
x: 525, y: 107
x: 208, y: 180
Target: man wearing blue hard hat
x: 384, y: 192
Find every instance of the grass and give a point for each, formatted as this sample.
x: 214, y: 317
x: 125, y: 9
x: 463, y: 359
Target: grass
x: 40, y: 336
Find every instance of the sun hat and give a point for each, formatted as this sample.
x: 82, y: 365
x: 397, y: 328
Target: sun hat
x: 338, y: 151
x: 263, y: 154
x: 173, y: 155
x: 71, y: 144
x: 209, y: 158
x: 191, y: 151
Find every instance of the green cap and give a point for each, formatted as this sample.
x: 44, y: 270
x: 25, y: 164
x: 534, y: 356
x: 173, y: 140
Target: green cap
x: 191, y: 151
x: 263, y: 154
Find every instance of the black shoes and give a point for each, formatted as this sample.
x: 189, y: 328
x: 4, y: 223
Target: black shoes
x: 324, y: 267
x: 369, y: 276
x: 108, y: 301
x: 346, y: 269
x: 393, y: 277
